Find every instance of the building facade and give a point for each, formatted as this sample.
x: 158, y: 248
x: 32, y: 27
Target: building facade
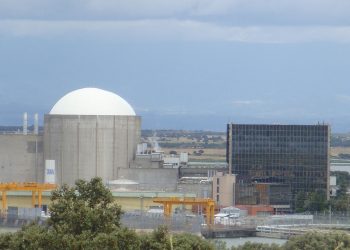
x: 21, y: 158
x: 84, y: 146
x: 91, y: 132
x: 223, y: 189
x: 293, y: 155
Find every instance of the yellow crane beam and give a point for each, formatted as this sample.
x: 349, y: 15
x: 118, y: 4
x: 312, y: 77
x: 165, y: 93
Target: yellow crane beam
x: 209, y: 205
x: 34, y: 187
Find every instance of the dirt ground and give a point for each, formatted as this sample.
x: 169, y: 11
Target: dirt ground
x: 213, y: 154
x: 340, y: 150
x: 210, y: 154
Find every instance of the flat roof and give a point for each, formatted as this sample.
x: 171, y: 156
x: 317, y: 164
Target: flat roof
x: 131, y: 194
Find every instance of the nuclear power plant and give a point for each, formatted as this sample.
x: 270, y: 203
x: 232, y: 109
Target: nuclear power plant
x: 89, y: 132
x: 92, y: 132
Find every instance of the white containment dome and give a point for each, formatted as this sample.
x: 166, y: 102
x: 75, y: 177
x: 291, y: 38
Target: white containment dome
x: 91, y: 132
x: 92, y: 101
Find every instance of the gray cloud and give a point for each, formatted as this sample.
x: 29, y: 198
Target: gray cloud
x: 343, y: 98
x: 246, y: 102
x: 252, y: 21
x: 173, y: 29
x: 237, y: 12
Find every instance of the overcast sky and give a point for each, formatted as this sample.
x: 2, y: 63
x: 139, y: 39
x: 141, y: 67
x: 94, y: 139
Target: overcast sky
x: 184, y: 64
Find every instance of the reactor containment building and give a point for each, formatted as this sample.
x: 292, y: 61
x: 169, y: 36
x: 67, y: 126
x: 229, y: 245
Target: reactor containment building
x: 89, y: 132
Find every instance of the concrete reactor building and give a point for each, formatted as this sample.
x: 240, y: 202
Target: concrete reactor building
x: 89, y: 132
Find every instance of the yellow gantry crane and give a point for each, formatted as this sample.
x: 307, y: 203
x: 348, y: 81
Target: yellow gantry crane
x: 209, y: 205
x: 34, y: 187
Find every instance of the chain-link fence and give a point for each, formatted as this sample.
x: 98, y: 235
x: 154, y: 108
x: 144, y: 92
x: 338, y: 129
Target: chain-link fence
x: 177, y: 222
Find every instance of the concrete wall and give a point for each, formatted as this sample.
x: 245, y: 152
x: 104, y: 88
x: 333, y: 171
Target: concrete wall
x: 152, y: 178
x: 21, y: 158
x: 128, y: 200
x: 147, y: 161
x: 202, y: 190
x: 24, y: 199
x: 223, y: 189
x: 127, y: 203
x: 88, y: 146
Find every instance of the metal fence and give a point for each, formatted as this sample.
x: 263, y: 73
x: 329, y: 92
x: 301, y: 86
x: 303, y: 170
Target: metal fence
x: 177, y: 222
x: 191, y: 223
x: 331, y: 217
x: 317, y: 220
x: 17, y: 217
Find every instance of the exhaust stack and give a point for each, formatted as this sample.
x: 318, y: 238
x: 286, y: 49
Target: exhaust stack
x: 36, y: 123
x: 25, y: 123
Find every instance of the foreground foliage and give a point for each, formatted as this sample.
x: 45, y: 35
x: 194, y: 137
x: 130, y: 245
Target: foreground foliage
x: 258, y: 246
x: 86, y: 217
x: 324, y: 241
x: 309, y: 241
x: 160, y: 239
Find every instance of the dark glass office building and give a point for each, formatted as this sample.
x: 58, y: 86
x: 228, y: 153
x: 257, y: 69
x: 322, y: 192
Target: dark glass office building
x: 293, y: 155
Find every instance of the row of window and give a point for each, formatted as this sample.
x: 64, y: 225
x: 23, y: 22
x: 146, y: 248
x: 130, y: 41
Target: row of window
x: 288, y: 129
x: 300, y: 151
x: 274, y: 138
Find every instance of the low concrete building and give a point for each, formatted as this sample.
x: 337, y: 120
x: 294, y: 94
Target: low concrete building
x: 21, y: 158
x: 152, y: 178
x: 129, y: 200
x: 224, y: 189
x: 89, y: 132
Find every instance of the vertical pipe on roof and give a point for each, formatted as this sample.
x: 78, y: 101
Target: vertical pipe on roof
x: 25, y: 123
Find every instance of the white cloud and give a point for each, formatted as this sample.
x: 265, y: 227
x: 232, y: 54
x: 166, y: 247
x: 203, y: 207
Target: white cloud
x: 172, y: 29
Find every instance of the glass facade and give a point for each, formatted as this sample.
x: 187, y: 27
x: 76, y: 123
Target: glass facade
x: 263, y: 194
x: 296, y: 155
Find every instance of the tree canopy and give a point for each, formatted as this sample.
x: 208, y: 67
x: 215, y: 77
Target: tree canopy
x: 86, y: 217
x: 86, y: 207
x: 318, y: 240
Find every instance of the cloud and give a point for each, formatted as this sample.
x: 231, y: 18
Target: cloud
x: 240, y: 12
x: 173, y: 29
x: 246, y: 102
x: 343, y: 98
x: 252, y: 21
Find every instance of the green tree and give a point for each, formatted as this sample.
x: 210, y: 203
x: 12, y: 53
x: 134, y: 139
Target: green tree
x: 300, y: 202
x: 82, y: 217
x: 343, y: 181
x: 160, y: 239
x: 86, y: 217
x: 316, y: 202
x: 88, y: 206
x: 257, y: 246
x: 157, y: 240
x: 324, y: 241
x: 186, y: 241
x: 340, y: 203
